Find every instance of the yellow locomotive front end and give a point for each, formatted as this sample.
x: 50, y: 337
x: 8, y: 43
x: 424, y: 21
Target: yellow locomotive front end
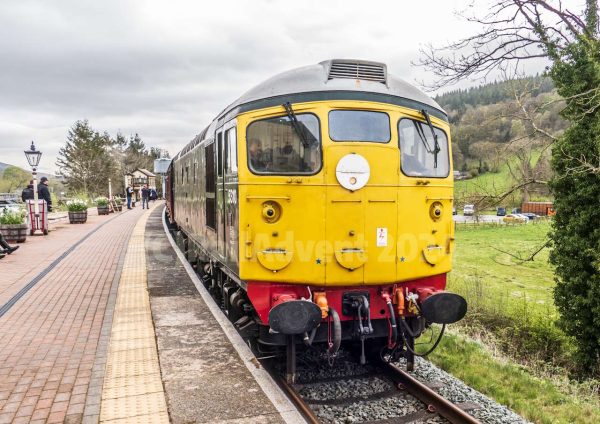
x: 326, y: 199
x: 357, y: 193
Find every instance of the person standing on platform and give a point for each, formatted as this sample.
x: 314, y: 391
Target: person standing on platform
x: 145, y: 195
x: 44, y: 193
x: 129, y: 193
x: 27, y: 193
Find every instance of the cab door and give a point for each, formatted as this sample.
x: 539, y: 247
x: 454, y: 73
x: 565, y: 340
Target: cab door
x: 231, y: 221
x: 220, y: 195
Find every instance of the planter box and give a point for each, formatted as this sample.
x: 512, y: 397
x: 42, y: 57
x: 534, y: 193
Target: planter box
x: 103, y: 210
x: 119, y: 208
x: 14, y: 233
x: 78, y: 217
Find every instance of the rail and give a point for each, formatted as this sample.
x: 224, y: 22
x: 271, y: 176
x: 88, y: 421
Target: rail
x: 297, y: 400
x: 434, y: 401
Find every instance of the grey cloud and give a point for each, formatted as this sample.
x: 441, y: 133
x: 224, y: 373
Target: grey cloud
x: 165, y: 69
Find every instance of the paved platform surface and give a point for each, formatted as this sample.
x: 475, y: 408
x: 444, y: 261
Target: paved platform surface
x: 51, y: 338
x: 100, y: 322
x: 204, y: 377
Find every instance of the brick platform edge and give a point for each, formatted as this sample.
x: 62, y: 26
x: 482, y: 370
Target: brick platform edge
x: 91, y: 412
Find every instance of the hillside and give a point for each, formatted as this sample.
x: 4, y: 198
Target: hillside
x: 496, y: 137
x: 3, y: 166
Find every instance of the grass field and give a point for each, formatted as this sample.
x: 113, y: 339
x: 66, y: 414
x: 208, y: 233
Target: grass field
x: 494, y: 183
x: 485, y: 274
x: 521, y: 358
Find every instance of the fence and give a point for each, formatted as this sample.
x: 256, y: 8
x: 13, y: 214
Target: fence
x: 10, y: 196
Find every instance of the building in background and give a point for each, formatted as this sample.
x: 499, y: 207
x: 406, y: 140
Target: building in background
x: 137, y: 179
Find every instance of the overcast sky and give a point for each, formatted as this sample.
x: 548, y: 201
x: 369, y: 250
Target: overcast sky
x: 164, y: 69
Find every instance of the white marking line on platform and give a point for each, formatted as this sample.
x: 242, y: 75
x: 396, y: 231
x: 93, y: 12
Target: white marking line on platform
x: 284, y: 406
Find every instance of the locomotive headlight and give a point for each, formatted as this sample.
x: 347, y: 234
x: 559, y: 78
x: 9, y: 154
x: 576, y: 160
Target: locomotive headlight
x: 271, y: 211
x: 436, y: 211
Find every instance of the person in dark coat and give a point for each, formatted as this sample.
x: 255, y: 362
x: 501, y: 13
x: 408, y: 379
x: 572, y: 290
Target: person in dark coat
x: 27, y: 193
x: 44, y: 193
x: 145, y: 196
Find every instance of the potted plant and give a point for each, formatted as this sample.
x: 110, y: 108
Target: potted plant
x: 102, y: 205
x: 13, y: 226
x: 77, y: 211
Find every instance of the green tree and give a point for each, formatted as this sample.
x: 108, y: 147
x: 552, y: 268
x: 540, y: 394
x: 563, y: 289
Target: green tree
x: 85, y: 160
x: 515, y: 30
x: 13, y: 178
x: 576, y: 187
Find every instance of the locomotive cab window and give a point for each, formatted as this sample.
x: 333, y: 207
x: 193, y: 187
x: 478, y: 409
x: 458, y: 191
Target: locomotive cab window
x: 359, y: 125
x: 280, y: 146
x: 421, y: 156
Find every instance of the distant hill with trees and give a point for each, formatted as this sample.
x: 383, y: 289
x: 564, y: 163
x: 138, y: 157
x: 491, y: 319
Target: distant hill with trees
x: 507, y: 125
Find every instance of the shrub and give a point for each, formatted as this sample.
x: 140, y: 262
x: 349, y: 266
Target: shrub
x: 77, y: 205
x: 118, y: 201
x: 101, y: 201
x: 12, y: 218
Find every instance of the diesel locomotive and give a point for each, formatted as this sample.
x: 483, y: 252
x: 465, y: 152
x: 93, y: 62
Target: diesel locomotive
x: 318, y: 209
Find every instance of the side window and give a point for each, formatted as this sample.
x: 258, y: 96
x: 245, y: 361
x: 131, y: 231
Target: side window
x: 231, y: 146
x: 280, y: 146
x: 220, y: 154
x: 417, y: 149
x: 210, y: 210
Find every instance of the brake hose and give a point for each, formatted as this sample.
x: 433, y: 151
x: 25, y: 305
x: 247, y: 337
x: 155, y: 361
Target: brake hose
x: 410, y: 333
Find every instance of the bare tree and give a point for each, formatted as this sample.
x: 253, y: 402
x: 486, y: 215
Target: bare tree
x: 513, y: 31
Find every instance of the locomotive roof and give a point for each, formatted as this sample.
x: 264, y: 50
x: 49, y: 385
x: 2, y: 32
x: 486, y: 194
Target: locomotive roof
x: 331, y: 79
x: 335, y: 79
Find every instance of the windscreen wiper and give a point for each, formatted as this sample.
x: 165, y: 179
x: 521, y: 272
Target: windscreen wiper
x: 296, y: 124
x: 436, y: 148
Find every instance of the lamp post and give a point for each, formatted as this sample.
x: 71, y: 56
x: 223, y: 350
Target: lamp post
x: 33, y: 157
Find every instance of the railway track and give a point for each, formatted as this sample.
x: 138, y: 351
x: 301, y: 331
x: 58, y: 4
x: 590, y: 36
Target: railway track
x: 374, y: 394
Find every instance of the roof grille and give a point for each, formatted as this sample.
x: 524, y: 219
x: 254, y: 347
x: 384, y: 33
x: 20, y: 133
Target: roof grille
x: 370, y: 71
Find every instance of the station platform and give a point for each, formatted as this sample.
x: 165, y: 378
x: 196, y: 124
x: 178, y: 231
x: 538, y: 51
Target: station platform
x: 103, y: 322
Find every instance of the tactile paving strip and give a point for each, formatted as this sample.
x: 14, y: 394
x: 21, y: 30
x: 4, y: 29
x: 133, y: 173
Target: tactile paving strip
x: 132, y: 390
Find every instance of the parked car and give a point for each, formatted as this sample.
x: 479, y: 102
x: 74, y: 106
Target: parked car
x: 453, y: 210
x: 469, y: 210
x: 515, y: 219
x: 530, y: 215
x: 516, y: 210
x: 501, y: 211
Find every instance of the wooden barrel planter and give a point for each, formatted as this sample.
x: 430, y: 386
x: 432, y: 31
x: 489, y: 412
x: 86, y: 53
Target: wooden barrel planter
x: 14, y: 233
x: 78, y: 217
x: 103, y: 210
